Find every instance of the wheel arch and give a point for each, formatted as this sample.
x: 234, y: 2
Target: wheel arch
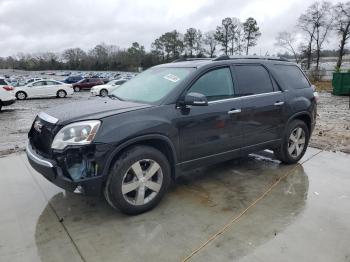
x: 303, y: 116
x: 61, y: 90
x: 160, y: 142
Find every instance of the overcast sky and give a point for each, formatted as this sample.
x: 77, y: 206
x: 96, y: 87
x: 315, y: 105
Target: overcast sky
x: 52, y: 25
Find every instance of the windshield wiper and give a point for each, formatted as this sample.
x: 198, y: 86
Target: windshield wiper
x: 112, y: 96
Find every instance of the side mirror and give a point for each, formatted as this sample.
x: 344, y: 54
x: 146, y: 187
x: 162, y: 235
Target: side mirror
x: 195, y: 99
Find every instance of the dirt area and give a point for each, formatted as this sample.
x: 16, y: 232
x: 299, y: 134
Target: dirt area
x: 332, y: 129
x: 331, y: 132
x: 16, y: 120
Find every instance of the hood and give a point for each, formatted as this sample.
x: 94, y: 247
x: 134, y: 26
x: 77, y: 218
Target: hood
x: 95, y: 108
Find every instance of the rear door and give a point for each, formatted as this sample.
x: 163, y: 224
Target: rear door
x: 262, y: 104
x: 208, y: 130
x: 51, y: 88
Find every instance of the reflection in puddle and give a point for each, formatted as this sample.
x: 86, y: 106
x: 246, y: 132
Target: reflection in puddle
x: 196, y: 206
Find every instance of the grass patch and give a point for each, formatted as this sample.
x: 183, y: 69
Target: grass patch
x: 323, y: 86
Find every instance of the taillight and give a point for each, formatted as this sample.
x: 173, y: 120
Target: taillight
x: 8, y: 88
x: 316, y: 96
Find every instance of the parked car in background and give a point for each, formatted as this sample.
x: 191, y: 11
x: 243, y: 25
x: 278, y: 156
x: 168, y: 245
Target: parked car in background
x: 7, y: 95
x: 87, y: 84
x: 106, y: 89
x: 73, y: 79
x: 44, y: 88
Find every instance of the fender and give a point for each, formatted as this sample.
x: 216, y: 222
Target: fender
x: 134, y: 140
x: 307, y: 113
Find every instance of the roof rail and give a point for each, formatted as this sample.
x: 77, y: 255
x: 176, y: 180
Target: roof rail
x: 222, y: 57
x: 182, y: 59
x: 226, y: 57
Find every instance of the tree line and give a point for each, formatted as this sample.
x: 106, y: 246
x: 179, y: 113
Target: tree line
x: 316, y: 25
x: 230, y: 37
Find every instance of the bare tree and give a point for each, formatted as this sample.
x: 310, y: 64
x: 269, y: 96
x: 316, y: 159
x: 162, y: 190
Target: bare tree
x: 316, y: 22
x: 342, y: 27
x: 287, y: 41
x: 240, y: 39
x: 210, y: 42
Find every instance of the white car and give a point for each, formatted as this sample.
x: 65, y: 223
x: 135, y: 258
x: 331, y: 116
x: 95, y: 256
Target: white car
x: 44, y: 88
x: 7, y: 94
x: 105, y: 90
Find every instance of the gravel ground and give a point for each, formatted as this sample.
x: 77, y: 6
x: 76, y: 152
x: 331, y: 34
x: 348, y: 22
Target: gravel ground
x: 331, y: 131
x: 16, y: 120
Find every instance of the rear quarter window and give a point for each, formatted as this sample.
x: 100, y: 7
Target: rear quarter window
x: 292, y: 76
x: 253, y: 79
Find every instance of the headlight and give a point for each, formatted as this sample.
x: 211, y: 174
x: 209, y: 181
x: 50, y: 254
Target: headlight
x: 80, y: 133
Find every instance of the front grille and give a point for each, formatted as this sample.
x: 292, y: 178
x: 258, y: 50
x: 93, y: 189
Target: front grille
x: 42, y: 140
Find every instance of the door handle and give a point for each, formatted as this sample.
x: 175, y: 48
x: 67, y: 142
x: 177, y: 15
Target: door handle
x: 234, y: 111
x: 278, y: 103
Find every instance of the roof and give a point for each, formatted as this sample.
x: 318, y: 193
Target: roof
x: 198, y: 62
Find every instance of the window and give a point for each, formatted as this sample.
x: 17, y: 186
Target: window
x: 52, y: 83
x: 215, y: 85
x: 3, y: 82
x: 292, y: 76
x: 253, y: 79
x: 120, y: 82
x: 39, y: 83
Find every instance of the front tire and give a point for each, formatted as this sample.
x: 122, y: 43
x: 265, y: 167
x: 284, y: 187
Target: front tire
x: 294, y: 142
x: 76, y: 89
x: 138, y: 180
x: 104, y: 92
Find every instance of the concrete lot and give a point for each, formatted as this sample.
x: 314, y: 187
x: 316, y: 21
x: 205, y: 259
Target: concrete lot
x: 272, y: 212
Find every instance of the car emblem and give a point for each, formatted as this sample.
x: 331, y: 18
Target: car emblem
x: 37, y: 126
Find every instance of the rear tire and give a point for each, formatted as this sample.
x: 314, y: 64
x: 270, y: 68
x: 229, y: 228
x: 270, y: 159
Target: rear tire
x: 61, y: 94
x: 138, y: 180
x: 21, y: 95
x: 0, y: 106
x: 294, y: 142
x: 76, y: 89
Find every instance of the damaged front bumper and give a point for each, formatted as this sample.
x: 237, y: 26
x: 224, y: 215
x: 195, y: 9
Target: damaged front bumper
x: 73, y: 179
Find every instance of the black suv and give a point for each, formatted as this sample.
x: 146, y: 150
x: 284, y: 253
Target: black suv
x: 170, y: 118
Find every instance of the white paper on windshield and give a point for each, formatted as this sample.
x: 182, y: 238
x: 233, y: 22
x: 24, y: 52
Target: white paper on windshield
x: 172, y: 78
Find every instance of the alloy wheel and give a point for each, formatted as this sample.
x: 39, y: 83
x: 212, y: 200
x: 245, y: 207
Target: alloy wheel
x: 104, y: 92
x: 61, y: 94
x: 21, y: 96
x: 142, y: 182
x: 296, y: 142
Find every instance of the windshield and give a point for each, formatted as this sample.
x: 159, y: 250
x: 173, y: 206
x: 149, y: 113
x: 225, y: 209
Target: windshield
x: 152, y: 85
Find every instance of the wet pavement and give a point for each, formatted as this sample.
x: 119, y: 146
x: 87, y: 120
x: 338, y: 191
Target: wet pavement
x: 251, y: 209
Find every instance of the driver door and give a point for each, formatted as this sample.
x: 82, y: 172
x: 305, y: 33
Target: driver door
x: 209, y: 131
